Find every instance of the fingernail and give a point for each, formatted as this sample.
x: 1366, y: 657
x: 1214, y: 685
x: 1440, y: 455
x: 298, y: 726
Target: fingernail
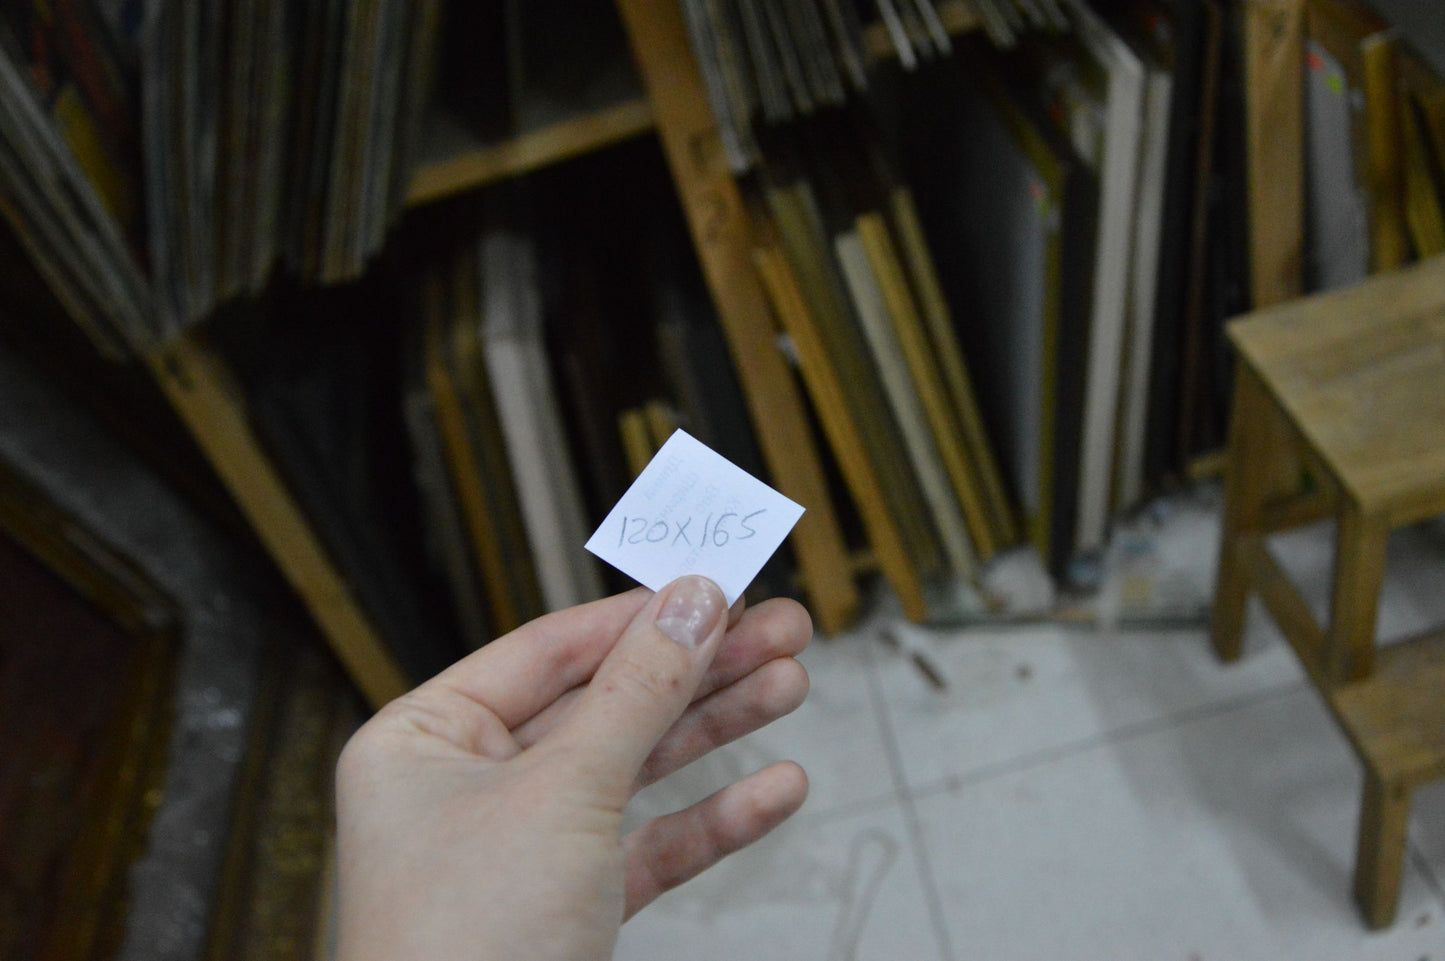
x: 692, y: 610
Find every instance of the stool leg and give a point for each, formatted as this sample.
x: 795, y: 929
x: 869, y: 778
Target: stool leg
x: 1359, y: 571
x: 1246, y: 486
x: 1380, y: 860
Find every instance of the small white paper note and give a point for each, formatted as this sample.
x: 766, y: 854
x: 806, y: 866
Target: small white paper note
x: 693, y: 511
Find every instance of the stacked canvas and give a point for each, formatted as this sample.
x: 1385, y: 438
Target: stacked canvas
x: 1064, y: 161
x: 162, y: 157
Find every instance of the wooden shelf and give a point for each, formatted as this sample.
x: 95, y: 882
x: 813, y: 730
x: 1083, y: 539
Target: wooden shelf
x: 958, y: 18
x: 468, y: 168
x: 452, y: 165
x: 204, y: 393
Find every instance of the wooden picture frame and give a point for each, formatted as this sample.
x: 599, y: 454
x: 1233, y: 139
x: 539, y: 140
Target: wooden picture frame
x: 85, y: 752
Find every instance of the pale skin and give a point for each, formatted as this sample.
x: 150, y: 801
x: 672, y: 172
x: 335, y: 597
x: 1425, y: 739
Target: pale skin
x: 480, y: 815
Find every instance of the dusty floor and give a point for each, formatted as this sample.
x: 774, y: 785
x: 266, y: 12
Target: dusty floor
x: 1073, y: 792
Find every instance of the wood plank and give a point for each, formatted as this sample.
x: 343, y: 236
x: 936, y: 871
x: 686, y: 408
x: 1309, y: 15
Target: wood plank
x: 921, y: 358
x: 1285, y: 604
x: 1210, y: 466
x: 1274, y: 144
x: 1428, y: 91
x: 465, y: 471
x: 91, y: 568
x: 489, y: 163
x: 1424, y: 203
x: 636, y: 439
x: 1380, y: 850
x: 790, y: 217
x: 1287, y: 513
x: 1339, y: 26
x: 199, y: 386
x: 1246, y: 487
x: 938, y: 317
x: 82, y: 755
x: 1396, y: 717
x: 859, y: 471
x: 661, y: 422
x: 958, y: 17
x: 270, y: 894
x: 1389, y: 237
x: 1358, y: 372
x: 1355, y: 598
x: 722, y: 237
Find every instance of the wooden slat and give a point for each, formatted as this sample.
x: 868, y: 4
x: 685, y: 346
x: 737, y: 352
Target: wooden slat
x: 489, y: 163
x: 938, y: 317
x: 958, y: 17
x: 109, y: 581
x: 636, y: 439
x: 1287, y: 513
x: 1286, y: 606
x: 1274, y: 142
x: 927, y: 380
x: 1339, y: 26
x: 1395, y: 719
x: 721, y: 235
x: 1380, y: 851
x: 1396, y: 716
x: 1355, y: 598
x: 661, y: 422
x: 1389, y: 237
x: 463, y: 464
x: 859, y: 470
x: 198, y: 385
x: 1210, y: 466
x: 1424, y: 197
x: 529, y: 151
x: 1246, y: 489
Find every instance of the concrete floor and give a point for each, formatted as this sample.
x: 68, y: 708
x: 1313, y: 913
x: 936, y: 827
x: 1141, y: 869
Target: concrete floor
x: 1073, y: 792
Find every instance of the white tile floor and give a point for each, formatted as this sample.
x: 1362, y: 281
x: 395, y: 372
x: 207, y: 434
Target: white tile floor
x: 1072, y: 793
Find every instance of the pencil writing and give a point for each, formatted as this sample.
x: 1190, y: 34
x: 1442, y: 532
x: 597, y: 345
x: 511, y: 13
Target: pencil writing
x: 640, y: 530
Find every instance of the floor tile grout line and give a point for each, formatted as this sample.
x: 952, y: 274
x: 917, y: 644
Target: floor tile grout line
x: 1117, y: 735
x: 852, y: 809
x: 1427, y: 871
x: 910, y: 811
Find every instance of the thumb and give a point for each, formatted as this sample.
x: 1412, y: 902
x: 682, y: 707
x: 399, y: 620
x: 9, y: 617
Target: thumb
x: 645, y: 683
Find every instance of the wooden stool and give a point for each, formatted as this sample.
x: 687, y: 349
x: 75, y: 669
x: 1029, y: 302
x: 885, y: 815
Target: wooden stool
x: 1339, y: 411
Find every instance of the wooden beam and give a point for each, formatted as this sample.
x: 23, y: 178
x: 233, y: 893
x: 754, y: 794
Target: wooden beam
x: 722, y: 237
x: 199, y: 386
x: 1274, y: 144
x: 489, y: 163
x: 1287, y: 513
x: 1286, y: 605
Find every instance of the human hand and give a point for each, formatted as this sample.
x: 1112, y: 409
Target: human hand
x: 480, y: 815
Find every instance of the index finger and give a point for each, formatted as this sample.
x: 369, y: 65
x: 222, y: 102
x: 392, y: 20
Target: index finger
x: 523, y: 671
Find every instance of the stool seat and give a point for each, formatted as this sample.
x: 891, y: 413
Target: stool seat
x: 1339, y: 411
x: 1361, y: 373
